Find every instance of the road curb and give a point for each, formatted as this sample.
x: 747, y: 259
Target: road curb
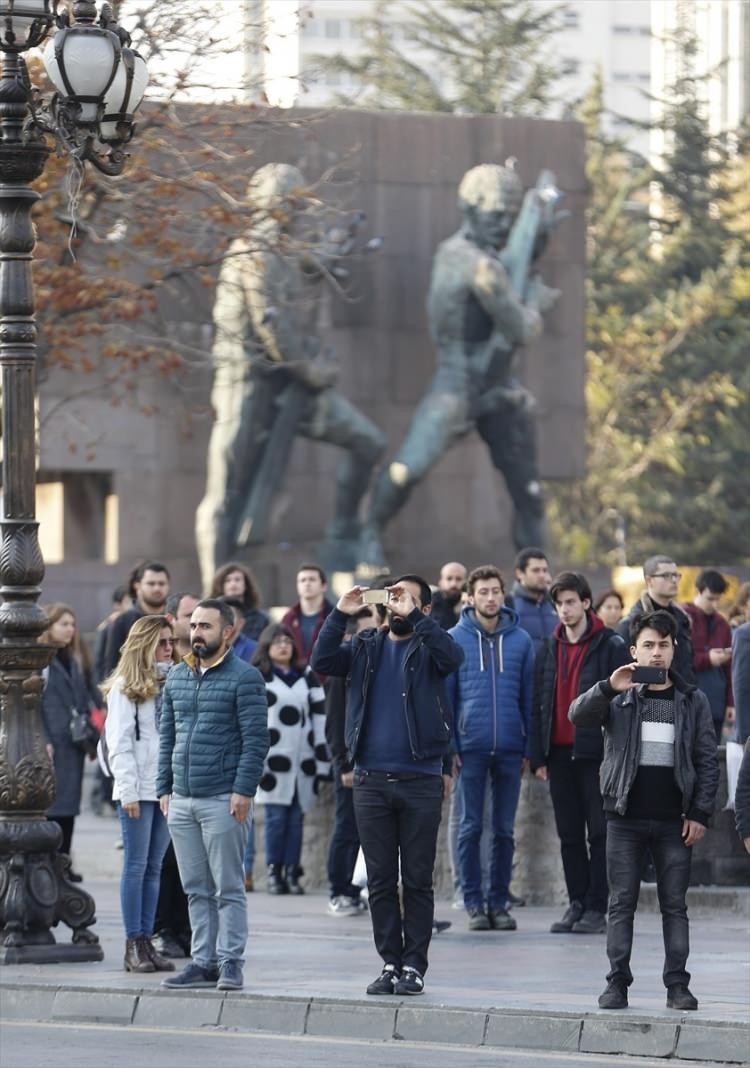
x: 385, y: 1019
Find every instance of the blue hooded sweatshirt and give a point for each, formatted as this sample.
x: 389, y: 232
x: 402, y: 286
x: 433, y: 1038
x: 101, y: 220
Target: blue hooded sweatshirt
x: 492, y: 691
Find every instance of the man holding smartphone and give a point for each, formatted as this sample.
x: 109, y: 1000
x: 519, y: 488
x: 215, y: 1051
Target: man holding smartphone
x: 398, y: 732
x: 659, y: 778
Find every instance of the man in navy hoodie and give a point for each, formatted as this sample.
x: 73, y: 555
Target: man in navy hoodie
x: 492, y: 692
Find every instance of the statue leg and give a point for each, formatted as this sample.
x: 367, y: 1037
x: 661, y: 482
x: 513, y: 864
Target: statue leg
x: 240, y: 418
x: 510, y: 435
x: 338, y: 422
x: 440, y: 419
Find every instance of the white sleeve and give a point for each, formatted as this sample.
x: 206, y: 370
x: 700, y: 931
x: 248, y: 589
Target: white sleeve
x: 120, y: 731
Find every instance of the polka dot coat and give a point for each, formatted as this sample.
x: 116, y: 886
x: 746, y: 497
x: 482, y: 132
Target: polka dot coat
x: 298, y: 751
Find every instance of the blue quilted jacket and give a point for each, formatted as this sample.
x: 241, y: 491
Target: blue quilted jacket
x: 213, y: 732
x: 492, y: 691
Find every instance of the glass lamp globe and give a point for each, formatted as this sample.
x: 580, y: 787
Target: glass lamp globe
x: 124, y: 94
x: 82, y: 63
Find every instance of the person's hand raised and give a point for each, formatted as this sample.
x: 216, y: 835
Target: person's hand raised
x: 350, y: 602
x: 401, y: 602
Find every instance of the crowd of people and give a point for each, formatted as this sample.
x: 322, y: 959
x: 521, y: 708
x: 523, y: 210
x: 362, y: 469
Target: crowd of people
x: 405, y: 695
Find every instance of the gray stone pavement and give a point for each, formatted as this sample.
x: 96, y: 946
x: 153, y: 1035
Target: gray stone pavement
x: 306, y: 973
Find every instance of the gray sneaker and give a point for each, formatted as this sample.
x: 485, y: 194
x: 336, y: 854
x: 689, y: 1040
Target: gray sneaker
x: 230, y: 976
x: 501, y: 920
x: 572, y: 915
x: 591, y: 923
x: 478, y: 919
x: 191, y: 977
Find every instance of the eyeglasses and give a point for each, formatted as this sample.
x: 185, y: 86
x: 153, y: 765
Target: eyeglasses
x: 166, y: 643
x: 282, y: 641
x: 674, y: 575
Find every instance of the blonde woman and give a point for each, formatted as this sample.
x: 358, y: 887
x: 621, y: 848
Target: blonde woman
x: 133, y: 693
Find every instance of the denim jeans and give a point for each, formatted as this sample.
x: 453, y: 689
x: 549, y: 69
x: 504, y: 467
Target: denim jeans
x: 400, y: 818
x: 578, y: 808
x: 485, y: 842
x: 209, y: 845
x: 504, y: 770
x: 145, y: 842
x: 627, y: 844
x: 284, y: 834
x: 248, y: 862
x: 342, y: 852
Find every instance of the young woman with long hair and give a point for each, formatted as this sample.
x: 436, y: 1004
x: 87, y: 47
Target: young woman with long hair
x: 65, y: 691
x: 133, y: 692
x: 298, y: 753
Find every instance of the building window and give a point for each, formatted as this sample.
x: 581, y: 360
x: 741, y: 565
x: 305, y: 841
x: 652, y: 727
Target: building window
x: 570, y: 67
x: 571, y: 20
x: 333, y: 28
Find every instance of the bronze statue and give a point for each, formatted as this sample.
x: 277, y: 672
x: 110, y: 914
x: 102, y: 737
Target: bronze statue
x: 273, y: 378
x: 484, y: 302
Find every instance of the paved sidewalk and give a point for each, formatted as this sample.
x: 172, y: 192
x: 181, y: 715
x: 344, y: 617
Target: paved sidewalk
x: 306, y: 973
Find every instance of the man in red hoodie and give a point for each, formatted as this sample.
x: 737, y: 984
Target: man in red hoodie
x: 580, y: 653
x: 712, y: 646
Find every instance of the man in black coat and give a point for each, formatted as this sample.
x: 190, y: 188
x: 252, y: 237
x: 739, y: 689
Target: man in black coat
x: 581, y: 652
x: 659, y: 778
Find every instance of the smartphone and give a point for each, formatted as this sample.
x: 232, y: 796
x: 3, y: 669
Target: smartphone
x: 649, y: 674
x: 375, y: 596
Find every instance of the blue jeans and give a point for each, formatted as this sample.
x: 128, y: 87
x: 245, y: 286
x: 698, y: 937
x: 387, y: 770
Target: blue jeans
x: 249, y: 859
x: 627, y: 843
x: 284, y: 834
x: 209, y: 845
x: 485, y: 843
x: 145, y: 842
x: 504, y: 770
x: 342, y: 852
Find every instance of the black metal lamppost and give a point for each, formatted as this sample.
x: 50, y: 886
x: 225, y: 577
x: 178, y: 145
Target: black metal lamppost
x: 100, y: 82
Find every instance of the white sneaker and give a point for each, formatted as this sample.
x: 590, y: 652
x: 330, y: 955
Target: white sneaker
x: 346, y: 906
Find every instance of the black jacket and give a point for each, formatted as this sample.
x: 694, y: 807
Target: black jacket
x: 683, y: 653
x: 431, y: 656
x: 605, y: 652
x: 336, y: 695
x: 696, y: 765
x: 742, y: 796
x: 444, y: 611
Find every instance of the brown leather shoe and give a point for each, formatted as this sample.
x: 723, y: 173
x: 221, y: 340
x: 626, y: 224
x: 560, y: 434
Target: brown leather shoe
x: 161, y: 964
x: 136, y: 958
x: 249, y: 886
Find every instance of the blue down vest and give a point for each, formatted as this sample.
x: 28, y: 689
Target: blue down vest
x: 213, y: 732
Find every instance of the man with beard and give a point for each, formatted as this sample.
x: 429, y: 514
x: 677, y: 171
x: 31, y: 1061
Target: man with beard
x: 151, y: 588
x: 446, y: 600
x: 491, y: 698
x: 530, y: 596
x: 398, y: 730
x: 213, y: 739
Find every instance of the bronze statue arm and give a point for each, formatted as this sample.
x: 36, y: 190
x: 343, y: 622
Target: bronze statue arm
x: 491, y: 286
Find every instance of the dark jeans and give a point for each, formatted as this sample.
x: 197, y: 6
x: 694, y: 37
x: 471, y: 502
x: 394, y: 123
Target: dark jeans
x: 400, y: 819
x: 284, y: 834
x: 627, y: 843
x: 342, y: 852
x: 65, y: 823
x: 172, y: 906
x: 504, y: 770
x: 577, y: 802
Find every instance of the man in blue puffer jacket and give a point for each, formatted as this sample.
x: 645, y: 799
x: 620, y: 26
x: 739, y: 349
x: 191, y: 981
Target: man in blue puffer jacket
x: 492, y: 698
x: 213, y: 739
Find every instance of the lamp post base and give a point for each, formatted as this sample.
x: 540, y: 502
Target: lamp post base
x: 35, y: 894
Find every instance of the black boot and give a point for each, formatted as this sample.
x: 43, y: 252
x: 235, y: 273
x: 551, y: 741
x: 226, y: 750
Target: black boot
x: 294, y: 877
x: 275, y: 881
x: 136, y: 957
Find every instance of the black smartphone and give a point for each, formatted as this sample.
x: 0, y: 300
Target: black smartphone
x: 649, y: 674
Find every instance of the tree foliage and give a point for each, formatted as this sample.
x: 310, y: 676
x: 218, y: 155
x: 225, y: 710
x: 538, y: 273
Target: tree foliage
x: 454, y: 55
x: 668, y: 336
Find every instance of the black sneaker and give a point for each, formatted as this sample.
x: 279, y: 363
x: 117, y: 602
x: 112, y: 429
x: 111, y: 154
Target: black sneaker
x: 438, y: 926
x: 572, y: 915
x: 501, y: 920
x: 478, y: 919
x: 165, y: 942
x: 590, y: 923
x: 615, y: 996
x: 411, y: 982
x: 230, y: 976
x: 679, y: 997
x: 385, y: 981
x: 191, y: 976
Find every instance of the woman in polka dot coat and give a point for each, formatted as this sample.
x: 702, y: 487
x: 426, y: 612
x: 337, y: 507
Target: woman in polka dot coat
x: 296, y: 757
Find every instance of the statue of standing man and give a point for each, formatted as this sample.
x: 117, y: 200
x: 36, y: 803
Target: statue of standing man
x: 272, y: 378
x: 484, y: 303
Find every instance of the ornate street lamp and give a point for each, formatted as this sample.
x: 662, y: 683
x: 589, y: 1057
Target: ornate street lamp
x: 100, y: 83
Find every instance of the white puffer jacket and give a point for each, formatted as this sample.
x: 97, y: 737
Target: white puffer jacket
x: 134, y: 761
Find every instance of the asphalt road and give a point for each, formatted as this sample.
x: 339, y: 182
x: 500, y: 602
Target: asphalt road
x: 27, y: 1045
